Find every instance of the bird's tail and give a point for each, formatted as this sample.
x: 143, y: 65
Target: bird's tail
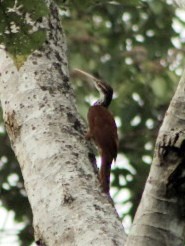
x: 105, y: 170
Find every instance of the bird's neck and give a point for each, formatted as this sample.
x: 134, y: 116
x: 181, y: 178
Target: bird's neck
x: 104, y: 100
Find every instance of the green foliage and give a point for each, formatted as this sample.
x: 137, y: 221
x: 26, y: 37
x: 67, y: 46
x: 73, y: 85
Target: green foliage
x: 12, y: 194
x: 131, y: 45
x: 20, y: 31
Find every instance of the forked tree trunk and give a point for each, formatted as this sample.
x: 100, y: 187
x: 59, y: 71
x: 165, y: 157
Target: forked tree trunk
x: 47, y: 136
x: 48, y: 139
x: 160, y: 218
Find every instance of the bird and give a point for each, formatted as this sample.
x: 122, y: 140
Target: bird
x: 102, y: 127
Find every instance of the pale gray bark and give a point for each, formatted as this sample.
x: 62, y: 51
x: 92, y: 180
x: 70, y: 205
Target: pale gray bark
x: 180, y: 3
x: 160, y: 218
x: 47, y: 136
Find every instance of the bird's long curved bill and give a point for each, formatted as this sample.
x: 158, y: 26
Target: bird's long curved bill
x: 85, y: 76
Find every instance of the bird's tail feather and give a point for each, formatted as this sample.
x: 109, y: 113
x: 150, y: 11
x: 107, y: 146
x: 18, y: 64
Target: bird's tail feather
x: 105, y: 172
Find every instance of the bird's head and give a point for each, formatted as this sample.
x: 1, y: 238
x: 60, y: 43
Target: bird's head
x: 104, y: 89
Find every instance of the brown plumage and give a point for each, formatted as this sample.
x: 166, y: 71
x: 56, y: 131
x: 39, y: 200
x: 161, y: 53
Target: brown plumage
x: 102, y: 129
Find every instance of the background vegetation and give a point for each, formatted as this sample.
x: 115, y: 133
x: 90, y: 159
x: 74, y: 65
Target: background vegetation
x: 137, y: 47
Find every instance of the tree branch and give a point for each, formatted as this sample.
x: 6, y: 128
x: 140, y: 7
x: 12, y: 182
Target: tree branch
x: 160, y: 218
x: 47, y: 136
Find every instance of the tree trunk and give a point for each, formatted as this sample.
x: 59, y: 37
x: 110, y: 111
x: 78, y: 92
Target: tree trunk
x: 47, y: 136
x: 160, y: 218
x: 180, y: 3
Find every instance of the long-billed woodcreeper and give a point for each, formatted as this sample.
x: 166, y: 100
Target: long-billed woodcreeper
x: 102, y: 127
